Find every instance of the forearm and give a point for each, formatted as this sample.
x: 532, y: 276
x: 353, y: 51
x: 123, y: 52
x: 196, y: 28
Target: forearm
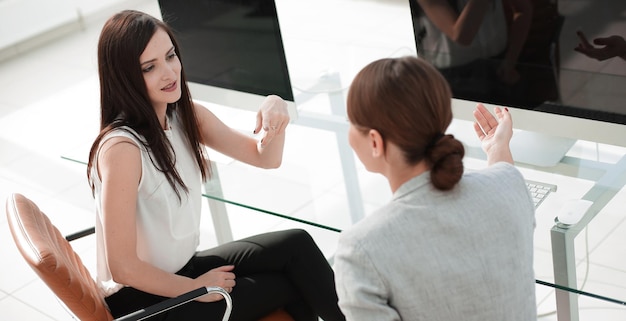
x: 497, y: 154
x: 470, y: 20
x: 460, y: 27
x: 148, y: 278
x: 518, y: 30
x: 271, y: 155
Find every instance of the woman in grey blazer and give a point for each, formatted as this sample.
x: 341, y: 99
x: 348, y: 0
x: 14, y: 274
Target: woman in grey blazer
x: 450, y: 245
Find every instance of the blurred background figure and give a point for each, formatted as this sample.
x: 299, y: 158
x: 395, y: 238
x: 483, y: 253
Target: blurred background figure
x: 607, y: 47
x: 495, y: 51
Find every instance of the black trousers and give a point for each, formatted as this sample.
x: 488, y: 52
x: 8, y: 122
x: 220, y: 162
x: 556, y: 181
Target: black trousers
x: 273, y: 270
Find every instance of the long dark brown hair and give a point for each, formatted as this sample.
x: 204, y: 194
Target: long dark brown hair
x: 124, y: 100
x: 409, y: 103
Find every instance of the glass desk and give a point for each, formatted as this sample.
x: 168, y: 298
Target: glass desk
x: 580, y: 270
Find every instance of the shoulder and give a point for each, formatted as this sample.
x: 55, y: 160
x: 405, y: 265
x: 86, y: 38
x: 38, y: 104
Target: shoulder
x: 119, y: 150
x: 505, y: 169
x: 204, y: 116
x: 119, y: 146
x: 495, y: 179
x: 200, y: 109
x: 372, y: 233
x: 118, y: 136
x: 122, y: 134
x: 502, y: 172
x: 503, y: 179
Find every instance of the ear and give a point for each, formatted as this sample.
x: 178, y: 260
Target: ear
x: 377, y: 144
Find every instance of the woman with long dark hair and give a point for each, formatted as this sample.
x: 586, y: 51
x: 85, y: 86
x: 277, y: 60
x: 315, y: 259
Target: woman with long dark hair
x: 146, y: 168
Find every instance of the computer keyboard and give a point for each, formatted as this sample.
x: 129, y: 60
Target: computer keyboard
x: 539, y: 190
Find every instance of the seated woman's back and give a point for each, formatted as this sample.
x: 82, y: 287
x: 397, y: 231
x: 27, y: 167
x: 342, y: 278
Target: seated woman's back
x: 449, y: 245
x: 464, y: 254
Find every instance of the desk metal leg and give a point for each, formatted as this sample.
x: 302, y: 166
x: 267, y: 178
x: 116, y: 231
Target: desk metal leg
x: 219, y: 215
x: 563, y: 255
x: 351, y: 179
x: 336, y: 122
x: 564, y: 265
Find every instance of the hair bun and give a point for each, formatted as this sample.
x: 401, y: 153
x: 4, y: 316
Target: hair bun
x: 446, y: 160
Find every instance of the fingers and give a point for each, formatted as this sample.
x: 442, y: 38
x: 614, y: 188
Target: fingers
x: 480, y: 121
x: 603, y: 41
x: 259, y: 122
x: 273, y: 117
x: 226, y: 278
x: 267, y: 138
x: 229, y: 285
x: 479, y: 131
x: 499, y: 113
x: 583, y: 39
x: 486, y: 123
x: 484, y: 119
x: 276, y: 125
x: 272, y: 129
x: 224, y: 268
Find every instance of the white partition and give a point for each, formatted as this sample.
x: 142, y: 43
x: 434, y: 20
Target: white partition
x: 24, y: 19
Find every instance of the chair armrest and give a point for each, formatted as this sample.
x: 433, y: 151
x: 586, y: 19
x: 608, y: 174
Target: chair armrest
x: 177, y: 301
x: 79, y: 234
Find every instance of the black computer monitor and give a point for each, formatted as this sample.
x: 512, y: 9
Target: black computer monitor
x: 562, y: 95
x: 232, y: 50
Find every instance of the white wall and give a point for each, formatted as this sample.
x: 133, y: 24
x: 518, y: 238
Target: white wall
x: 24, y: 23
x: 23, y: 19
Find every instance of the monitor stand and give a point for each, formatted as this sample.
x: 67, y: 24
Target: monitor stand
x: 527, y: 147
x: 539, y: 149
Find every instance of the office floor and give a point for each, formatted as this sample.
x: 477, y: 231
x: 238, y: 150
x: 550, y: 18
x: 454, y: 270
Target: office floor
x: 49, y: 109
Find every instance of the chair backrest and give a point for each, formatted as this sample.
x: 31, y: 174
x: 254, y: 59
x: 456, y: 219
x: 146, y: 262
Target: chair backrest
x: 53, y: 259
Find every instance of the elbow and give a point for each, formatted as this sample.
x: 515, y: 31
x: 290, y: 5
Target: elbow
x: 120, y: 276
x: 462, y: 39
x: 274, y: 164
x: 121, y: 273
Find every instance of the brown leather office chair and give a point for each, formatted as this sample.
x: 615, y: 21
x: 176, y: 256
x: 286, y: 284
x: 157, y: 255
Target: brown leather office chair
x: 51, y: 256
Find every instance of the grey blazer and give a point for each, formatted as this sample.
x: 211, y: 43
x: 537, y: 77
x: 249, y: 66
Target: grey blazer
x: 465, y: 254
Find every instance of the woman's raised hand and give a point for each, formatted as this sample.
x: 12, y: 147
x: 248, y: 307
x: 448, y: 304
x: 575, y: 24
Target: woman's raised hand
x: 273, y: 117
x: 494, y: 132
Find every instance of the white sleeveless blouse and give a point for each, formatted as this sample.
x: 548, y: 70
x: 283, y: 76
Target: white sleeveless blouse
x: 167, y: 228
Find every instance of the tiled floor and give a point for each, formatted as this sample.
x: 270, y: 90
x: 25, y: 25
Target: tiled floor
x: 49, y: 109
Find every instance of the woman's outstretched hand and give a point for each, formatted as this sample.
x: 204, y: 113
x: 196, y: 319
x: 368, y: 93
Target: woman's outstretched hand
x: 273, y: 117
x: 602, y: 48
x: 495, y: 133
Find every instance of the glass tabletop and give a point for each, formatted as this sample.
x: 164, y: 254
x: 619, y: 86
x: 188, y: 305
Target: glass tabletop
x: 309, y: 190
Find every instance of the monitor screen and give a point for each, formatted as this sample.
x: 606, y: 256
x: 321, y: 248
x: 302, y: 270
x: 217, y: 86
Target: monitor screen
x: 551, y: 76
x: 557, y: 95
x: 232, y: 50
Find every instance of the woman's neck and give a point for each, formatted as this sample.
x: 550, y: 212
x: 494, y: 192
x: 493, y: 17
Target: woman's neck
x: 397, y: 170
x: 398, y: 175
